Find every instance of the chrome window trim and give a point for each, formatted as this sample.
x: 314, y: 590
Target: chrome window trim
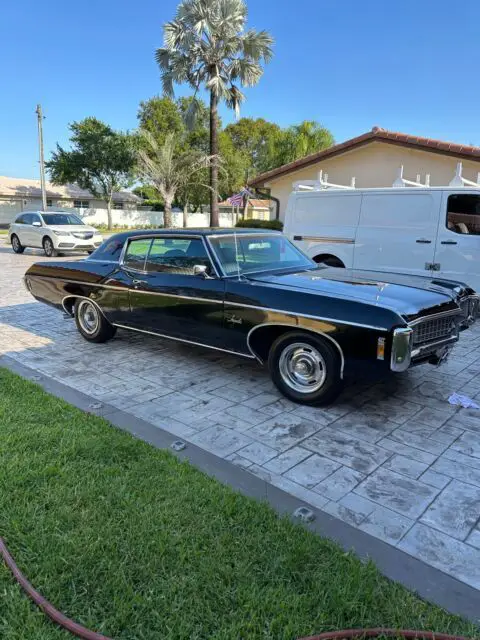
x: 295, y: 327
x: 197, y: 344
x: 155, y: 236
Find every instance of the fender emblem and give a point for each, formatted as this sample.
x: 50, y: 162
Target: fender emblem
x: 234, y: 320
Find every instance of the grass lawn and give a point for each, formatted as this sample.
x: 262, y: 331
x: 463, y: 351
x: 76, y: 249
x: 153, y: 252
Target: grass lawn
x: 130, y: 542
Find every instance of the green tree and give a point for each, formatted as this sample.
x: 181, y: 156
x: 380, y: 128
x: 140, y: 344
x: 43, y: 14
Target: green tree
x: 160, y: 116
x: 101, y: 160
x: 167, y: 168
x: 301, y: 140
x: 257, y: 139
x: 206, y: 45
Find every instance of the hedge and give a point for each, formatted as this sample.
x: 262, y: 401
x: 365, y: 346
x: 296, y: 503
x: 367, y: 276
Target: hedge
x: 277, y: 225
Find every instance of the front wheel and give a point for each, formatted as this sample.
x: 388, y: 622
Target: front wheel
x: 16, y: 245
x: 306, y: 368
x: 91, y: 323
x: 48, y: 247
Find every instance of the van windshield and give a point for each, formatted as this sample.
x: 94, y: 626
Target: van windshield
x: 250, y: 253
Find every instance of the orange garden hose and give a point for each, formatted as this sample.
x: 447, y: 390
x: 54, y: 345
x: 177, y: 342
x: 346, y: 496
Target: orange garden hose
x: 81, y: 632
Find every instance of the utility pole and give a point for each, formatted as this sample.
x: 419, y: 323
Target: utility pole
x: 42, y: 159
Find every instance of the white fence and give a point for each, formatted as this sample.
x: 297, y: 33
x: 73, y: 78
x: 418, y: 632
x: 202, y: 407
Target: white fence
x: 134, y: 218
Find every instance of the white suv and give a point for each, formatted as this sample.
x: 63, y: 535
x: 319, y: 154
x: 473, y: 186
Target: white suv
x: 55, y: 232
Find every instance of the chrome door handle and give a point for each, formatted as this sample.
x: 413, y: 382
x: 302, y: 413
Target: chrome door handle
x: 449, y: 242
x: 423, y: 241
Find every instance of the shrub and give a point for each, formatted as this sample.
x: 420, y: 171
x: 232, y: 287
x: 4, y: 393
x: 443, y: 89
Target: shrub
x: 276, y: 225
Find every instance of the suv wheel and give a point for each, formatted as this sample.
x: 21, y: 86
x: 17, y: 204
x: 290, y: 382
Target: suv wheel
x: 48, y: 247
x: 305, y: 368
x: 91, y: 323
x: 16, y: 246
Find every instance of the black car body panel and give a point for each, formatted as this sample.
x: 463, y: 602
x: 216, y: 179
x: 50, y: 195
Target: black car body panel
x: 357, y: 311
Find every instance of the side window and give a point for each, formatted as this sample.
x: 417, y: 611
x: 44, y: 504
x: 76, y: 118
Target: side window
x: 176, y: 255
x: 27, y: 218
x: 19, y: 220
x: 463, y: 213
x: 35, y: 218
x: 136, y: 253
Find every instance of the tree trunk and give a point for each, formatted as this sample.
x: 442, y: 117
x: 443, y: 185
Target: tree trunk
x: 167, y: 213
x: 185, y: 214
x: 109, y: 213
x: 214, y: 219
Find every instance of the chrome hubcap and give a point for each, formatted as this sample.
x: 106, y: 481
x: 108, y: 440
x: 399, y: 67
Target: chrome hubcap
x: 88, y: 317
x: 15, y: 242
x: 48, y: 247
x: 302, y: 367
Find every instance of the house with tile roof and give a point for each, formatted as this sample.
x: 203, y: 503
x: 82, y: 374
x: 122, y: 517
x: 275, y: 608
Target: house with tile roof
x: 374, y: 158
x: 23, y: 194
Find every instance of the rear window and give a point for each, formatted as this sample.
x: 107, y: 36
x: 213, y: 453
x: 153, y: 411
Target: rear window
x: 463, y: 214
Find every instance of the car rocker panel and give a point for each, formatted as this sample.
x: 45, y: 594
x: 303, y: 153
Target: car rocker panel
x: 254, y: 294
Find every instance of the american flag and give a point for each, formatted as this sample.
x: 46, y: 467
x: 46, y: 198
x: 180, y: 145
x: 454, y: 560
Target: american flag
x: 237, y: 199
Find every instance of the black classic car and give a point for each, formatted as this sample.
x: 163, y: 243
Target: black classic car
x: 254, y: 294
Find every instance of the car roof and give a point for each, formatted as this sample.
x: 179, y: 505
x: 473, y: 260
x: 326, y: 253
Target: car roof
x: 203, y: 231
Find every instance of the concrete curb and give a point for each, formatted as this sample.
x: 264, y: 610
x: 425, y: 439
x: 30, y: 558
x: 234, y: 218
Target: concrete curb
x: 429, y: 583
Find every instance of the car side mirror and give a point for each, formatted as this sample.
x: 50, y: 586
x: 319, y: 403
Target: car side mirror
x: 36, y: 223
x: 202, y: 271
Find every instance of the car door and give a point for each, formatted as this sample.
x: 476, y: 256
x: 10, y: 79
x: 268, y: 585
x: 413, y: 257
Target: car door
x: 36, y: 231
x: 457, y: 255
x: 25, y: 230
x: 397, y: 232
x: 165, y: 295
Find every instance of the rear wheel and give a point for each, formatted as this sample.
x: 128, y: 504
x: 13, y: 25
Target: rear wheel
x: 306, y: 368
x: 48, y: 247
x: 91, y: 323
x: 16, y: 245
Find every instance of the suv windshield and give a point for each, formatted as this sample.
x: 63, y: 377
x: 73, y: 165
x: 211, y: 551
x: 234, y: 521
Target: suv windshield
x: 60, y: 218
x: 248, y: 253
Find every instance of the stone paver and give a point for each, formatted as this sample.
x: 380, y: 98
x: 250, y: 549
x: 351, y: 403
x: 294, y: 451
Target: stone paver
x: 391, y: 457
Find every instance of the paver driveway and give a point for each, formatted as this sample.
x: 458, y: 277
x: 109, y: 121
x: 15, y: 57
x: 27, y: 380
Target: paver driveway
x: 391, y: 458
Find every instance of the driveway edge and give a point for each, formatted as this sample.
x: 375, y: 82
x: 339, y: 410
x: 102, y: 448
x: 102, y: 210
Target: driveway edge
x: 429, y: 583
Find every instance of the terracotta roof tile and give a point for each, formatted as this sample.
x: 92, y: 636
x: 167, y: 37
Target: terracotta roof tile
x: 376, y: 134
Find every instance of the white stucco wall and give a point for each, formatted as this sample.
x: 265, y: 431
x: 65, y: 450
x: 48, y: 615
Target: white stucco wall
x: 376, y: 165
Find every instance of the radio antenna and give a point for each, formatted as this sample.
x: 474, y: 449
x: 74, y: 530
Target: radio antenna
x: 236, y: 254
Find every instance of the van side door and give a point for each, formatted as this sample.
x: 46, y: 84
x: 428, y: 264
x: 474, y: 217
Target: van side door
x: 457, y: 256
x: 397, y: 232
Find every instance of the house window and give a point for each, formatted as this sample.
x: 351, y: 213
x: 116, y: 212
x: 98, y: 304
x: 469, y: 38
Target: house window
x: 118, y: 205
x: 81, y: 204
x: 49, y: 202
x: 463, y: 214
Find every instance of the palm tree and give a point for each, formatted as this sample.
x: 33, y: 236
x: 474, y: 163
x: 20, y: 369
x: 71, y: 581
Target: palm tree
x: 302, y: 139
x: 168, y: 168
x: 206, y: 45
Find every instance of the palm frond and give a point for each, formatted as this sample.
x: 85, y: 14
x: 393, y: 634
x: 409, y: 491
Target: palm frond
x: 243, y: 69
x: 257, y: 45
x: 162, y: 57
x: 234, y: 99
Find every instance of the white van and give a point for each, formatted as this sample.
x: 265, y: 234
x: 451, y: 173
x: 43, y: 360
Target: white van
x: 413, y: 230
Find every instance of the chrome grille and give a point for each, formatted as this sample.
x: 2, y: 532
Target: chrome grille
x: 434, y: 330
x: 83, y: 235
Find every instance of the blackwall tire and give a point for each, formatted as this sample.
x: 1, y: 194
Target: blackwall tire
x: 306, y: 368
x: 91, y: 323
x: 48, y: 248
x: 16, y: 244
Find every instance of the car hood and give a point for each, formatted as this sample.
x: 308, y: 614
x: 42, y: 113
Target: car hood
x: 72, y: 228
x: 408, y: 295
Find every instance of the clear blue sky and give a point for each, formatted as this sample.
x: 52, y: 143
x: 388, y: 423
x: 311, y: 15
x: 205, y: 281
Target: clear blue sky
x: 410, y: 66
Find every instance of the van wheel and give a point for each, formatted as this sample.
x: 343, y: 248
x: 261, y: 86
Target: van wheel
x: 306, y: 368
x: 16, y: 246
x: 329, y: 261
x: 48, y: 247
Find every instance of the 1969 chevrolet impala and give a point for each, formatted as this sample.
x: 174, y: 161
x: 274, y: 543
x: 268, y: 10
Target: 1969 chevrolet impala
x: 254, y: 294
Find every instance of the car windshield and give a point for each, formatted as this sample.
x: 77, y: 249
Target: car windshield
x: 249, y: 253
x: 60, y: 218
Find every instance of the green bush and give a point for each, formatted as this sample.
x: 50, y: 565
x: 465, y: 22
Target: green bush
x: 253, y: 223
